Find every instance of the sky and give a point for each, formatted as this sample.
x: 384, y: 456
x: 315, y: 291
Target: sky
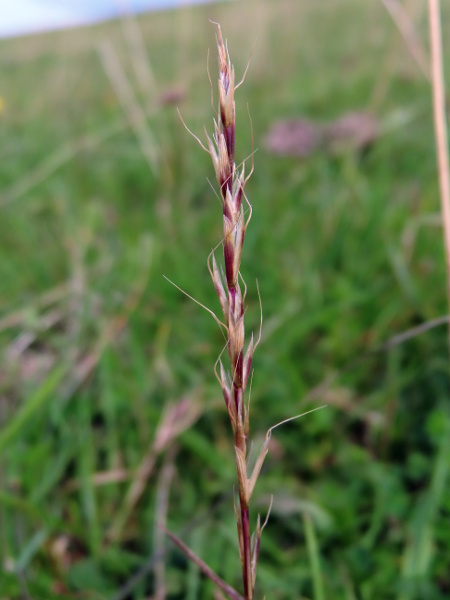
x: 32, y: 16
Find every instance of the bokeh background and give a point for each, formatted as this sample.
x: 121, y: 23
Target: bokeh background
x: 111, y: 417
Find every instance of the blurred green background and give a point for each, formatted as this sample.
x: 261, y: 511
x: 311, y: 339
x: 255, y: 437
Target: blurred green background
x: 111, y: 417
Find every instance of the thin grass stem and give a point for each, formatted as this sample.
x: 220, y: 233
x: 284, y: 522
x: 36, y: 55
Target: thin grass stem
x: 440, y: 125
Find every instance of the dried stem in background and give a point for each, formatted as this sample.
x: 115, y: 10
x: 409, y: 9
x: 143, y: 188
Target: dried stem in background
x: 403, y: 16
x: 132, y: 108
x: 227, y: 589
x: 440, y: 125
x: 140, y: 61
x: 406, y: 27
x: 176, y: 419
x: 161, y: 509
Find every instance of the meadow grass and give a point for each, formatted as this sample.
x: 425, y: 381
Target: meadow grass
x: 105, y: 367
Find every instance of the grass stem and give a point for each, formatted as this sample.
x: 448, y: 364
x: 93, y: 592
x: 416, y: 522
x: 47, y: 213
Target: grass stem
x: 440, y: 125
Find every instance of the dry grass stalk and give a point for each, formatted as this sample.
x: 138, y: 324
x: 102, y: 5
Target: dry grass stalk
x: 176, y: 419
x: 227, y: 281
x: 440, y: 125
x: 405, y: 24
x: 229, y: 591
x: 133, y: 110
x: 162, y: 506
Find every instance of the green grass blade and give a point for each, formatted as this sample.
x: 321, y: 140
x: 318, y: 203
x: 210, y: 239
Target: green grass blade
x: 31, y: 406
x: 314, y: 558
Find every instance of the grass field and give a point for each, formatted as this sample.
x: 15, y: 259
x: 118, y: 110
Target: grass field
x: 110, y: 415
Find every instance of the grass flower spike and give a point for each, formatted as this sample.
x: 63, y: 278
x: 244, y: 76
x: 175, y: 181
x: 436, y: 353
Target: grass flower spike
x: 231, y: 291
x: 231, y: 297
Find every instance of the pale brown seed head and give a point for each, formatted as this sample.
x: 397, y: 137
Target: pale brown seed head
x: 214, y: 157
x: 223, y: 55
x: 220, y: 290
x: 248, y: 359
x: 239, y: 236
x: 236, y: 343
x: 228, y: 250
x: 242, y: 475
x: 225, y: 170
x: 258, y: 466
x: 226, y: 99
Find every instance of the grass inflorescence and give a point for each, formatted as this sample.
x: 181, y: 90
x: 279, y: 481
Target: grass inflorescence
x: 110, y: 419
